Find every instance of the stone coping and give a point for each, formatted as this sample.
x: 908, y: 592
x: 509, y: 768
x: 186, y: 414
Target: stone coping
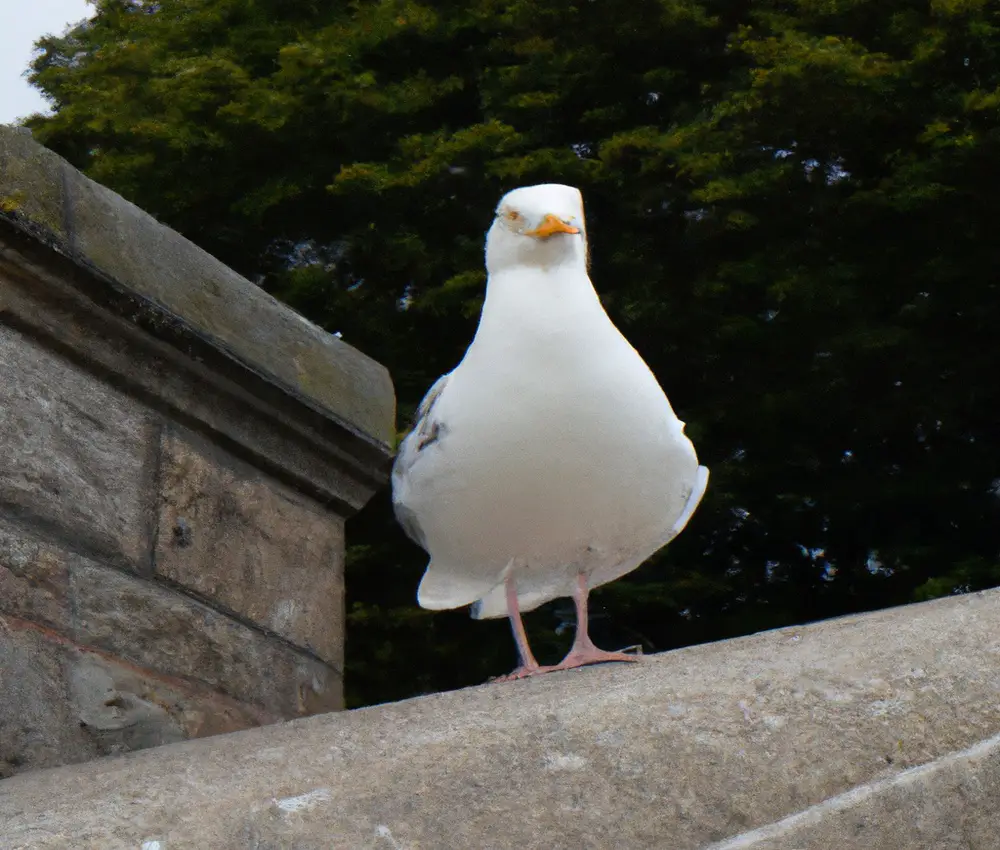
x: 154, y: 276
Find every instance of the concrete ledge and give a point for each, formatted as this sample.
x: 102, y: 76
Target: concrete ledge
x: 870, y: 731
x: 950, y: 802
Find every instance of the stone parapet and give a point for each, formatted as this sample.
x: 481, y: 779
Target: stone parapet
x: 178, y: 454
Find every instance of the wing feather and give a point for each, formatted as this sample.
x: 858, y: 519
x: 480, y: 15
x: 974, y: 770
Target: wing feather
x: 427, y: 430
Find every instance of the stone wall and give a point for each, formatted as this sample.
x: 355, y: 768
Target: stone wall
x: 178, y: 454
x: 872, y: 732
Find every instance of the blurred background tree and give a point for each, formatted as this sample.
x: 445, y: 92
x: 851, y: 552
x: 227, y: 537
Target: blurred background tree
x: 791, y: 208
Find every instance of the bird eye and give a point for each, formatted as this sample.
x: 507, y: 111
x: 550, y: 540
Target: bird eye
x: 513, y: 215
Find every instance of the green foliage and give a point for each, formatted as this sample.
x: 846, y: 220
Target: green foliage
x: 791, y: 207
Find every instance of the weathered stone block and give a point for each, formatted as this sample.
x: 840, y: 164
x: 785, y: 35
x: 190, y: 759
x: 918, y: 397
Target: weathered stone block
x: 238, y: 537
x: 64, y: 702
x: 119, y: 719
x: 73, y: 449
x: 160, y: 629
x: 126, y: 708
x: 37, y: 727
x: 131, y: 663
x: 34, y: 578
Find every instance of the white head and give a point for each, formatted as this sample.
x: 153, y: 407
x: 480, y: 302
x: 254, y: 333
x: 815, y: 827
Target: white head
x: 541, y: 226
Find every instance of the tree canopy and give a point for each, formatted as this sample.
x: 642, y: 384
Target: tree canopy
x: 791, y: 209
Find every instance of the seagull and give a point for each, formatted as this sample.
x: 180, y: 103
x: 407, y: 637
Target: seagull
x: 549, y: 461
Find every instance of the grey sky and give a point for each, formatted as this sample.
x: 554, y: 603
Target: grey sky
x: 22, y: 22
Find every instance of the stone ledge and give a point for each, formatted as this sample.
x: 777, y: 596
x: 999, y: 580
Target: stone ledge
x: 694, y: 747
x: 168, y: 282
x: 947, y: 804
x: 45, y: 303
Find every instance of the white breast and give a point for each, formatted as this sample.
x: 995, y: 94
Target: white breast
x: 557, y: 448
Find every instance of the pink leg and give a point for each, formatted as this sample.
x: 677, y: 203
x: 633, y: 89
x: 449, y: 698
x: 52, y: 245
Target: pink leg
x: 583, y: 651
x: 528, y: 666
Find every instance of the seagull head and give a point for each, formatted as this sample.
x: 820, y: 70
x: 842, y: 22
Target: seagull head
x: 538, y: 226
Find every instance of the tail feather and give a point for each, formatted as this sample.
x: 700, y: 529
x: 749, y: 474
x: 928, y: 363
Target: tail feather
x: 445, y: 587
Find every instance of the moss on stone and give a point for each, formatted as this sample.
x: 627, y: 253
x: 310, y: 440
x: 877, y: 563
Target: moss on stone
x: 13, y: 202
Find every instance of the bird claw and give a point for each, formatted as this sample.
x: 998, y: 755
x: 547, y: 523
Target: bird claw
x: 522, y: 672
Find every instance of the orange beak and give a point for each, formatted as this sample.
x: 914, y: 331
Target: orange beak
x: 551, y: 225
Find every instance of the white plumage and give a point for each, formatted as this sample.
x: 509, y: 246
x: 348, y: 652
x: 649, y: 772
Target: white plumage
x: 549, y: 461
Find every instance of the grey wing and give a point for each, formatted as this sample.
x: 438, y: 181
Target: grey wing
x: 427, y: 429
